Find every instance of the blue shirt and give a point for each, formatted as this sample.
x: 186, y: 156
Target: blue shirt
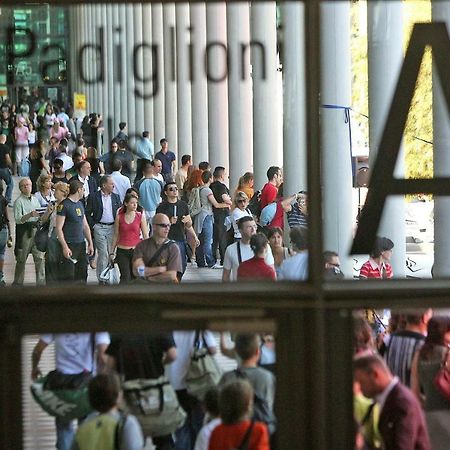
x: 150, y: 194
x: 294, y: 268
x: 166, y: 160
x: 144, y: 149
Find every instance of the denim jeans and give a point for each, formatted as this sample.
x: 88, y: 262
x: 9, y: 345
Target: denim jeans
x: 203, y: 252
x: 186, y: 435
x: 65, y: 434
x: 5, y: 175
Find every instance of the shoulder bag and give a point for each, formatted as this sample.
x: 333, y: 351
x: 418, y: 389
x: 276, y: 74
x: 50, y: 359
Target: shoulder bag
x: 64, y: 396
x: 41, y: 236
x: 203, y: 372
x: 153, y: 401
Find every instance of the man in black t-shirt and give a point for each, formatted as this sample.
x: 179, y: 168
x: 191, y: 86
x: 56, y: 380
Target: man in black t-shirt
x: 178, y: 213
x: 5, y: 166
x: 221, y: 194
x: 140, y: 356
x: 71, y: 229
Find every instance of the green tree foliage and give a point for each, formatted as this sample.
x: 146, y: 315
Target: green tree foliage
x: 419, y: 126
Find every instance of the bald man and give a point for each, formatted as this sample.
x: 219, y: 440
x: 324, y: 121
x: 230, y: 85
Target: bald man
x: 157, y: 259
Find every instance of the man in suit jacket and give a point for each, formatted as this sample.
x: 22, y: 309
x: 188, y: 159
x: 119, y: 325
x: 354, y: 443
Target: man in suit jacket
x: 83, y: 174
x: 101, y: 210
x: 402, y: 424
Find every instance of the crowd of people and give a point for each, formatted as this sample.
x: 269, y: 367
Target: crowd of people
x: 85, y: 210
x: 78, y: 209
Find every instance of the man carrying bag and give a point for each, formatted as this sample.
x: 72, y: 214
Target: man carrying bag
x: 63, y: 392
x: 148, y: 395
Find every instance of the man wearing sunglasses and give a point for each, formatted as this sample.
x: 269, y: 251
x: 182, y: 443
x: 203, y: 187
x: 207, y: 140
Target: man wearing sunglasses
x: 157, y: 259
x: 181, y: 230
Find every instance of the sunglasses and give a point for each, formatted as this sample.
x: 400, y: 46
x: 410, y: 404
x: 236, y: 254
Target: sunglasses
x: 174, y: 189
x: 242, y: 200
x: 162, y: 225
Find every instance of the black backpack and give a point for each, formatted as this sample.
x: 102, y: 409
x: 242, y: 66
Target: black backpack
x: 261, y: 410
x: 254, y: 205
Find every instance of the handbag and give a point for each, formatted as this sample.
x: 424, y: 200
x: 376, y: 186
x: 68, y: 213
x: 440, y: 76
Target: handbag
x: 203, y: 372
x: 153, y: 401
x: 41, y: 236
x: 63, y: 403
x: 110, y: 274
x: 64, y: 396
x: 155, y: 405
x: 442, y: 378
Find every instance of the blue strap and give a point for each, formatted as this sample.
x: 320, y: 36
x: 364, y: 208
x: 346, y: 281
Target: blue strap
x: 347, y: 120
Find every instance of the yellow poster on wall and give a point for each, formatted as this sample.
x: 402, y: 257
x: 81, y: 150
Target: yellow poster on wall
x: 79, y: 104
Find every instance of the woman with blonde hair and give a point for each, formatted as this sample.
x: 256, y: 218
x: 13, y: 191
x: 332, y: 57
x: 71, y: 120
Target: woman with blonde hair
x: 241, y: 210
x: 44, y: 191
x: 245, y: 184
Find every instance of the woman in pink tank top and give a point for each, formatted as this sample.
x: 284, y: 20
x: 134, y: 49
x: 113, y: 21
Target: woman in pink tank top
x: 130, y: 227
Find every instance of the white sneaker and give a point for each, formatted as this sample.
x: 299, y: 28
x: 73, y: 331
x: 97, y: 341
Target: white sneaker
x: 217, y: 266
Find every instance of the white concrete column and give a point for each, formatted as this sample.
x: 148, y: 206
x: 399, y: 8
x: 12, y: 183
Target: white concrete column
x: 148, y: 69
x: 87, y: 59
x: 109, y: 116
x: 336, y: 158
x: 199, y: 86
x: 138, y: 64
x: 170, y: 75
x: 217, y: 73
x: 131, y: 98
x: 94, y: 62
x: 294, y: 98
x: 159, y: 121
x: 239, y: 92
x: 73, y: 12
x: 184, y: 121
x: 441, y: 155
x: 385, y: 56
x: 99, y: 61
x: 266, y: 141
x: 116, y: 71
x: 122, y: 55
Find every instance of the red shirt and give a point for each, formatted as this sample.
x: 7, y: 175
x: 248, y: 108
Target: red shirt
x: 370, y: 269
x: 129, y: 233
x: 268, y: 194
x: 278, y: 219
x: 225, y: 437
x: 255, y: 269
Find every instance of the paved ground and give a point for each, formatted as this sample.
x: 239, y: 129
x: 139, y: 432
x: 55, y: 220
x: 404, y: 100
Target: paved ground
x: 192, y: 274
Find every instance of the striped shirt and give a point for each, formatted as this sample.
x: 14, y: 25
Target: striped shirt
x: 399, y: 355
x: 370, y: 269
x: 296, y: 218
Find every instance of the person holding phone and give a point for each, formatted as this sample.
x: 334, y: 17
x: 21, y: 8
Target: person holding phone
x: 296, y: 208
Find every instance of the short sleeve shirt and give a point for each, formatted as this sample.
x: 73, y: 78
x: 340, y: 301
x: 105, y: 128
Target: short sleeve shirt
x: 169, y: 257
x: 74, y: 351
x: 73, y: 225
x: 166, y: 160
x: 218, y: 190
x: 268, y: 194
x: 178, y: 209
x: 205, y: 192
x: 231, y: 260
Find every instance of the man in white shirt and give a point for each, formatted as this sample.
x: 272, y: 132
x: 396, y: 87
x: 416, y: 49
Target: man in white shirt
x: 144, y: 152
x: 64, y: 157
x: 121, y: 182
x: 74, y: 355
x: 240, y: 251
x: 296, y: 267
x: 184, y: 341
